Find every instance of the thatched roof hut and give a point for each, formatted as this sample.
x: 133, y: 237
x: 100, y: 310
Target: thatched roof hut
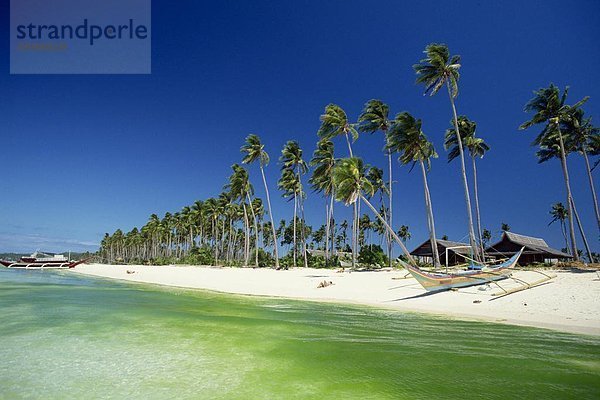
x: 456, y: 251
x: 536, y: 249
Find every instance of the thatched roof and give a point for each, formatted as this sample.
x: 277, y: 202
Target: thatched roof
x: 511, y: 242
x: 424, y: 249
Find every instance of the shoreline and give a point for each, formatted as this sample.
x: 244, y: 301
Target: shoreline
x: 567, y: 303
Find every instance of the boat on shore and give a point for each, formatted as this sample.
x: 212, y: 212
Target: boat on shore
x: 42, y: 261
x: 476, y: 275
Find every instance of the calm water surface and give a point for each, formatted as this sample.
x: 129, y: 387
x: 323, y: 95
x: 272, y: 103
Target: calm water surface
x: 66, y: 336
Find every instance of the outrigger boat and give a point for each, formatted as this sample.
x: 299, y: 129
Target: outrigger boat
x: 475, y: 275
x: 42, y: 261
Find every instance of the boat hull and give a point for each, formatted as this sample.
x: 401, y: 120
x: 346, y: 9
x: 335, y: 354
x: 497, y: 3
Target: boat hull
x: 41, y: 265
x: 433, y: 282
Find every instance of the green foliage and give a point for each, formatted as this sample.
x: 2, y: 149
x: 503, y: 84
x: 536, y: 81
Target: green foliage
x: 372, y: 255
x: 265, y: 259
x: 199, y: 256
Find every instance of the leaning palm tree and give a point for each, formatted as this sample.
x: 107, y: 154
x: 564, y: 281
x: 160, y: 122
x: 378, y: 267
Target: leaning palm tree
x: 321, y: 180
x: 586, y: 141
x: 550, y: 148
x: 255, y: 150
x: 550, y: 109
x: 406, y: 137
x: 435, y: 71
x: 374, y: 117
x: 477, y: 149
x: 559, y: 213
x: 350, y: 183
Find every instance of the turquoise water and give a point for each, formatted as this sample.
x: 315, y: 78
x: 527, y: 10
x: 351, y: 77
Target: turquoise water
x: 64, y: 336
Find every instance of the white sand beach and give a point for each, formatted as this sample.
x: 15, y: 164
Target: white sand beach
x: 569, y: 303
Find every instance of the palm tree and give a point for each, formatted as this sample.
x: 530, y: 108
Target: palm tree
x: 350, y: 183
x: 334, y: 122
x: 374, y: 117
x: 293, y: 167
x: 586, y: 141
x: 477, y: 149
x: 255, y: 150
x: 550, y: 109
x: 560, y: 213
x: 406, y: 137
x: 404, y: 233
x: 321, y: 180
x: 504, y: 227
x: 549, y: 149
x: 241, y: 189
x: 435, y: 71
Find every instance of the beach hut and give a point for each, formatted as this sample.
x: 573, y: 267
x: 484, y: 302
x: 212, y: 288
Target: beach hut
x: 536, y: 249
x: 454, y: 251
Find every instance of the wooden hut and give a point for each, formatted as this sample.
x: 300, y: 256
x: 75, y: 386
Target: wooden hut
x: 536, y: 249
x: 456, y: 252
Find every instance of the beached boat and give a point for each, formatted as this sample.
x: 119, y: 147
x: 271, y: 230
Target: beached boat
x: 40, y: 260
x: 475, y: 275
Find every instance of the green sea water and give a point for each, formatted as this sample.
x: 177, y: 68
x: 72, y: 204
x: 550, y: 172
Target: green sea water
x: 64, y: 336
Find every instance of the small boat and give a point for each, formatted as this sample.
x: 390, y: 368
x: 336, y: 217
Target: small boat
x: 475, y: 275
x: 42, y: 261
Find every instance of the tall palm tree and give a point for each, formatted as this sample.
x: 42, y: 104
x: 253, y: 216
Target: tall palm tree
x: 293, y: 167
x: 477, y: 149
x: 241, y: 189
x: 321, y: 180
x: 559, y: 213
x: 549, y: 149
x: 374, y: 117
x: 586, y: 141
x: 350, y: 183
x: 435, y: 71
x: 550, y: 109
x: 255, y: 150
x: 334, y: 122
x: 407, y: 138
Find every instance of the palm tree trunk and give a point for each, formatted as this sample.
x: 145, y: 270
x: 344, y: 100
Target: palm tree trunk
x: 255, y: 230
x: 275, y: 251
x: 563, y: 162
x: 246, y: 236
x: 429, y: 207
x: 354, y: 240
x: 585, y: 242
x: 390, y: 230
x: 327, y: 231
x: 472, y: 240
x: 564, y: 232
x: 295, y: 211
x: 332, y: 223
x: 592, y: 188
x: 477, y: 214
x: 390, y: 242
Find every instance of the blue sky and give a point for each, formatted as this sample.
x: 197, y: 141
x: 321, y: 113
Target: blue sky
x: 87, y: 154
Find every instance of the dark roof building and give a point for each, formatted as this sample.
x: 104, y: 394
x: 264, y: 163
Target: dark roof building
x: 456, y: 251
x: 536, y: 249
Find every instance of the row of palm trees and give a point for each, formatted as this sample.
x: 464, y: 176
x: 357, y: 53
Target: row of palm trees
x: 232, y: 225
x: 565, y: 131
